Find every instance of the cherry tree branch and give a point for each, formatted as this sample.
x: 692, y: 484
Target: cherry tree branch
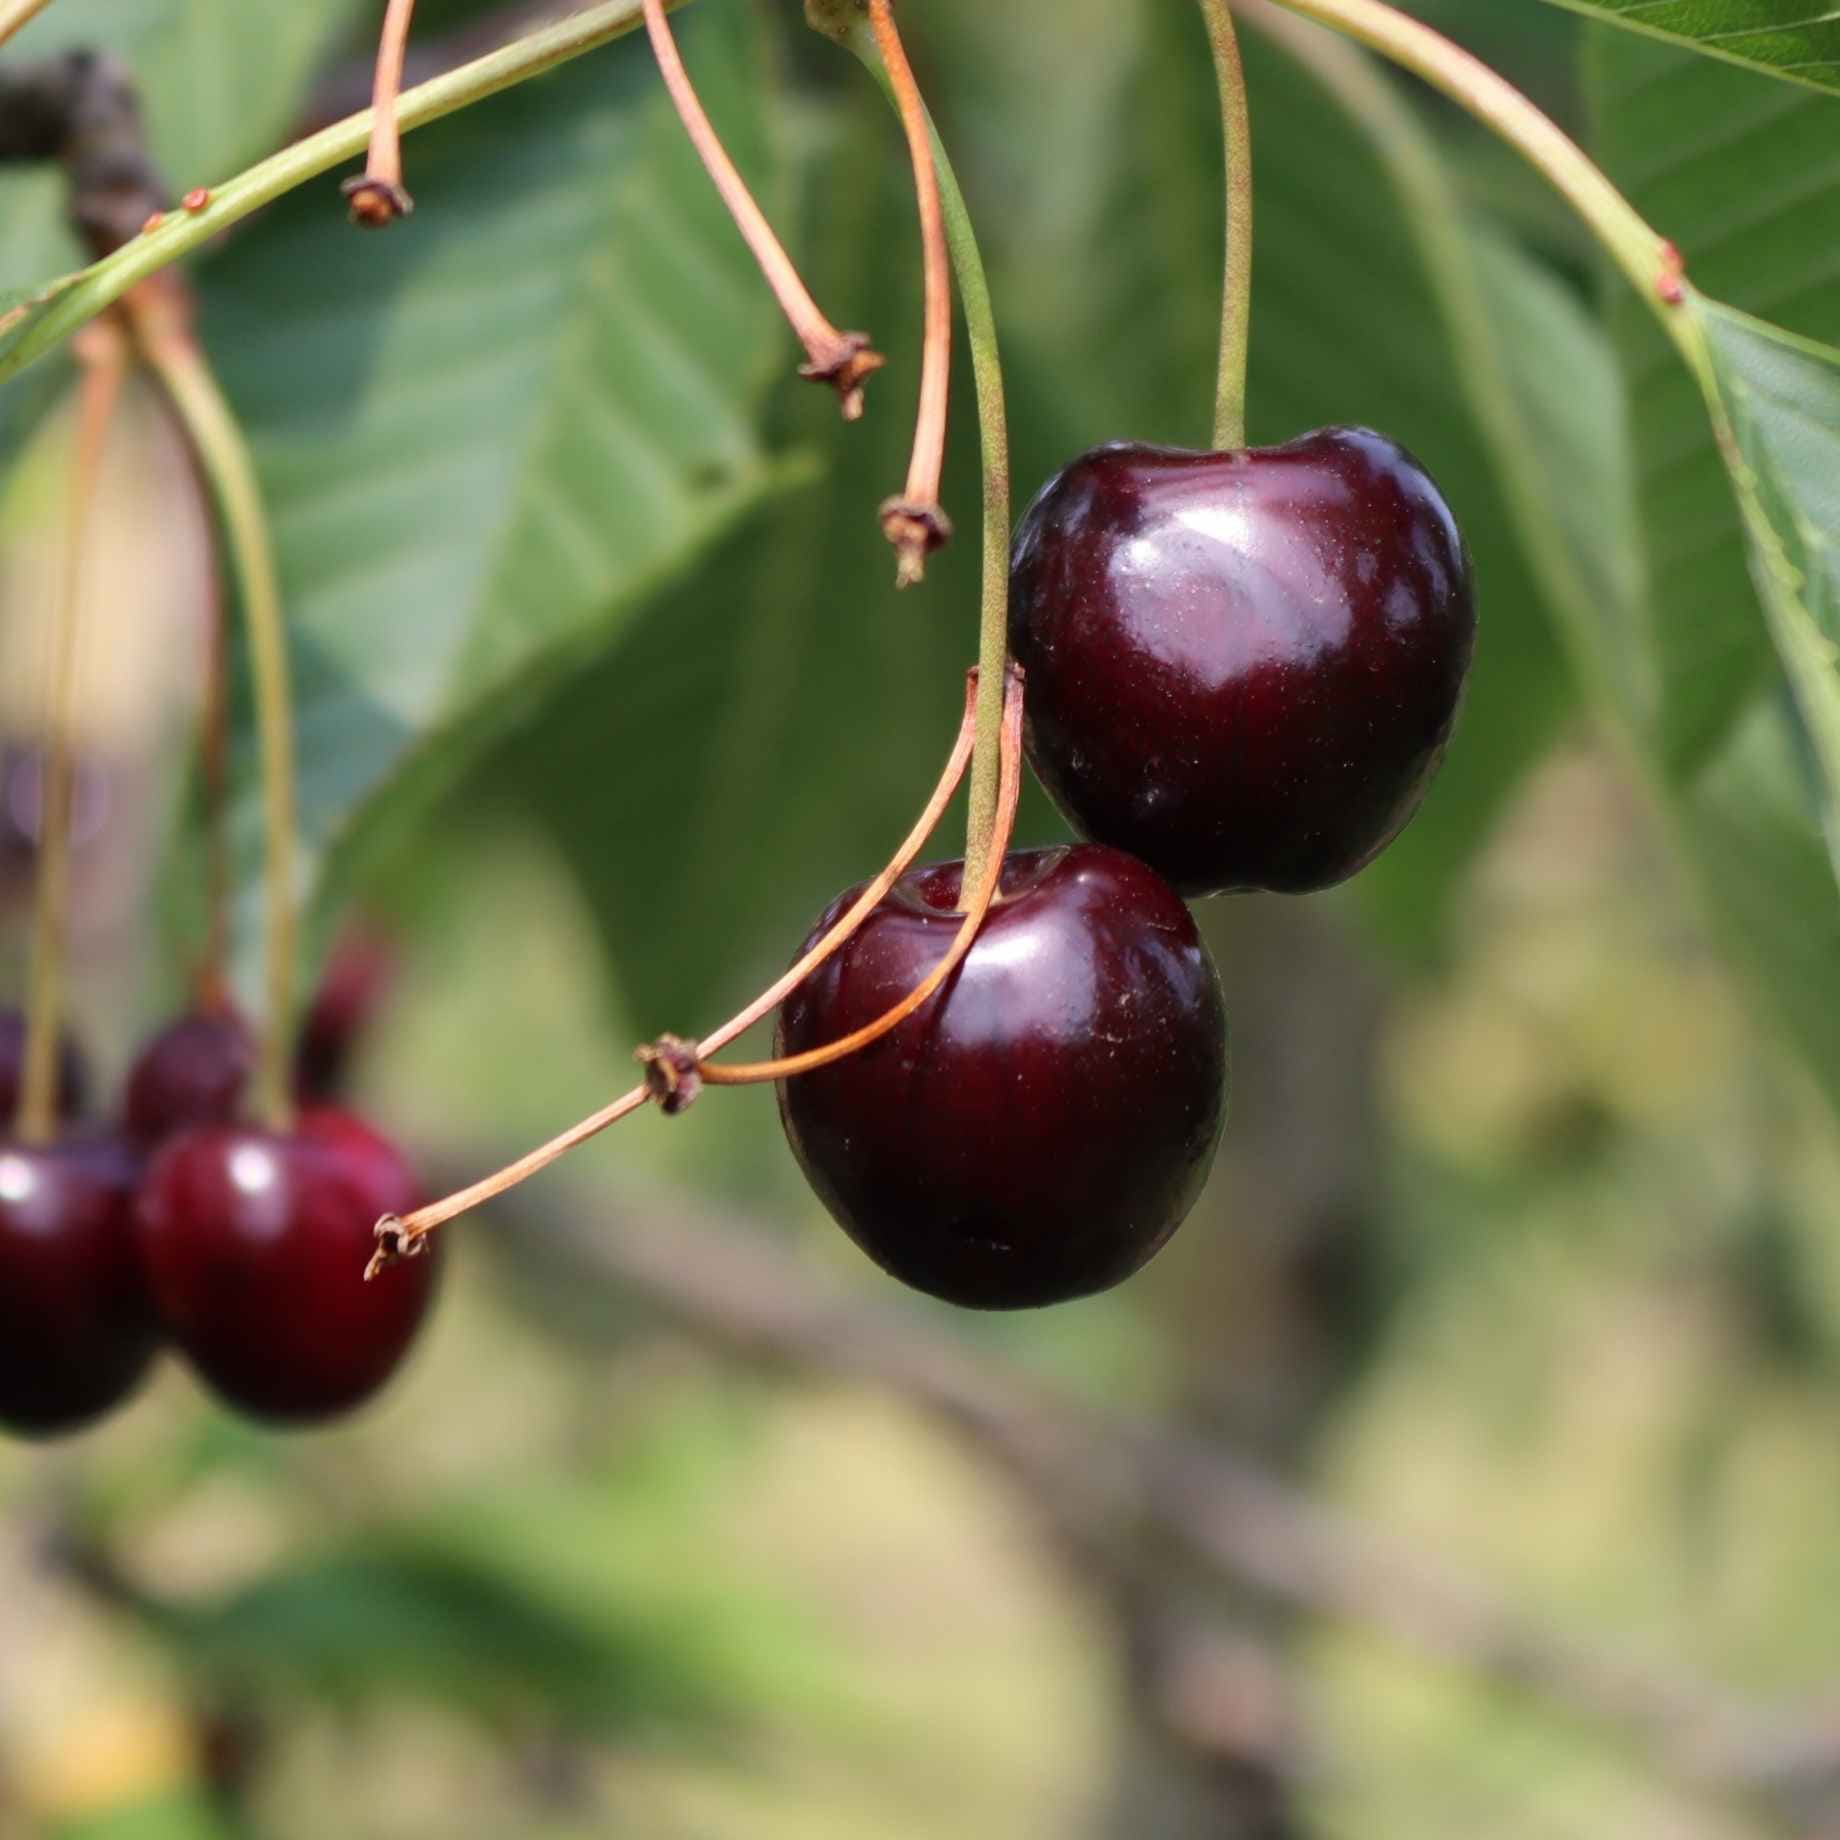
x: 1101, y: 1482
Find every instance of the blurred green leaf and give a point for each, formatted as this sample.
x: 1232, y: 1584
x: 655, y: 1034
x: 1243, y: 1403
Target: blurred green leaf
x: 490, y: 437
x: 179, y: 1816
x: 580, y: 1605
x: 779, y: 717
x: 1785, y: 38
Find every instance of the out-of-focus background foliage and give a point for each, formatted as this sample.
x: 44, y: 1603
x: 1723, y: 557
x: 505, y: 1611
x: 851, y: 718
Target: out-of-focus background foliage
x: 1468, y: 1462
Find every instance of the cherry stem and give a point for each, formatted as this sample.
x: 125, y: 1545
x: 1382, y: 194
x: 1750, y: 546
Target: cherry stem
x: 213, y: 987
x: 915, y: 523
x: 1650, y: 261
x: 758, y: 1073
x: 870, y: 898
x: 1236, y: 298
x: 101, y: 352
x: 15, y: 13
x: 842, y: 359
x: 993, y: 428
x: 377, y: 196
x: 400, y: 1236
x: 162, y: 319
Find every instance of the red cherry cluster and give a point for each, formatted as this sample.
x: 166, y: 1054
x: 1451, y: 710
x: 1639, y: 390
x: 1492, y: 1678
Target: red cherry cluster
x: 1242, y: 669
x: 244, y: 1248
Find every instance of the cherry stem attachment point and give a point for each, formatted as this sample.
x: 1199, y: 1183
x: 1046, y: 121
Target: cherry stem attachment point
x: 671, y: 1065
x: 101, y: 351
x: 792, y: 1066
x: 842, y: 359
x: 162, y: 320
x: 914, y: 522
x: 376, y: 195
x: 1236, y: 296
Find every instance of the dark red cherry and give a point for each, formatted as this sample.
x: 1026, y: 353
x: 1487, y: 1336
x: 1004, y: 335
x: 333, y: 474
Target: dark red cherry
x: 73, y: 1071
x: 255, y: 1246
x: 1039, y: 1128
x: 1242, y: 667
x: 194, y: 1071
x: 77, y: 1331
x: 358, y: 979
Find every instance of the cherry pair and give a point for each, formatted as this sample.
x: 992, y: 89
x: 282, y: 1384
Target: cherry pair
x: 1242, y: 670
x: 243, y: 1247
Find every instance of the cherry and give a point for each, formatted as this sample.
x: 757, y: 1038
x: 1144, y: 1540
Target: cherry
x: 255, y: 1244
x: 1243, y: 667
x: 77, y: 1331
x: 357, y: 983
x: 73, y: 1070
x: 1039, y: 1128
x: 194, y: 1071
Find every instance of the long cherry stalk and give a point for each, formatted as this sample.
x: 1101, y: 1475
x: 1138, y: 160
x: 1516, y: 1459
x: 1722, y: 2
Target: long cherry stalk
x: 162, y: 322
x: 377, y: 195
x: 838, y: 20
x: 842, y: 359
x: 1236, y: 294
x: 401, y: 1236
x: 916, y: 523
x: 102, y: 355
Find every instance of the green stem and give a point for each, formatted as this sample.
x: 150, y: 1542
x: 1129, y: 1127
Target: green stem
x: 1236, y: 294
x: 223, y: 455
x: 98, y: 393
x: 1639, y: 250
x: 993, y: 427
x: 31, y: 331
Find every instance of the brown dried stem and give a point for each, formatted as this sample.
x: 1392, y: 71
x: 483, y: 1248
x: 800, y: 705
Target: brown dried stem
x: 915, y: 523
x: 402, y: 1236
x: 377, y: 196
x: 842, y: 359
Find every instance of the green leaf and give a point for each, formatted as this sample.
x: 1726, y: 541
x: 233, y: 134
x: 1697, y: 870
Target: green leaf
x: 490, y: 437
x: 1746, y: 179
x: 180, y: 1815
x: 780, y: 717
x: 593, y: 1605
x: 1778, y: 402
x: 1792, y: 39
x: 1705, y: 706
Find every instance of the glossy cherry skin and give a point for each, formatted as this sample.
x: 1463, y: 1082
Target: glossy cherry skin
x: 194, y: 1071
x: 77, y: 1330
x: 1242, y: 667
x: 255, y: 1246
x: 73, y: 1070
x: 1041, y: 1126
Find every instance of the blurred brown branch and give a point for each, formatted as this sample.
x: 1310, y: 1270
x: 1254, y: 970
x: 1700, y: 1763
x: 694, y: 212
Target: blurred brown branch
x: 1103, y: 1483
